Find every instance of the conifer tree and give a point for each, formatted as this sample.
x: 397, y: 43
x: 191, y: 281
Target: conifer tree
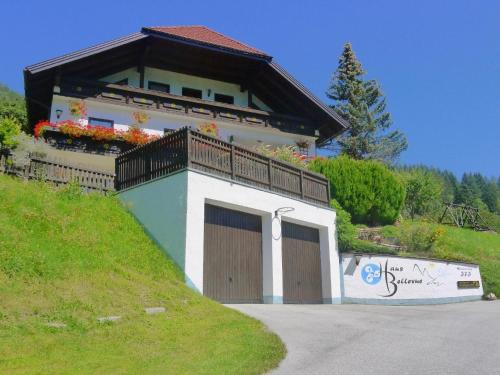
x: 469, y: 192
x: 363, y: 104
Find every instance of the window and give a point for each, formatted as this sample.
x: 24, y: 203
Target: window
x: 228, y: 99
x: 123, y: 82
x: 157, y: 86
x: 101, y: 122
x: 193, y: 93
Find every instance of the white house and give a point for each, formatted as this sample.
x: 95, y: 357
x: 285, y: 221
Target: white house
x: 243, y: 227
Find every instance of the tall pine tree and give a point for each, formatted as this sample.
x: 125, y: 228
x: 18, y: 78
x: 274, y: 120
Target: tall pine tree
x: 363, y: 104
x: 469, y: 192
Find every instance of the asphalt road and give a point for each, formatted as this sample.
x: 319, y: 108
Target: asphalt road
x: 360, y: 339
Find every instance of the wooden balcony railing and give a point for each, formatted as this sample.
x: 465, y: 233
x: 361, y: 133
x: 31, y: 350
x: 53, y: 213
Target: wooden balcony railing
x: 189, y: 149
x: 184, y: 106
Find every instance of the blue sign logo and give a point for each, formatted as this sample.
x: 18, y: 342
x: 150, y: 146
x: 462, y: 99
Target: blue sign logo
x: 371, y: 273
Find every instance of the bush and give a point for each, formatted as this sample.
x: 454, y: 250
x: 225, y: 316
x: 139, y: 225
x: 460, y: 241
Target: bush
x: 9, y: 128
x: 490, y: 220
x: 368, y: 190
x: 419, y: 237
x: 27, y: 146
x: 423, y: 193
x: 287, y: 154
x: 347, y: 234
x: 12, y: 106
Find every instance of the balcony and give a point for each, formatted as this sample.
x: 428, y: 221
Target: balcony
x: 188, y: 149
x: 184, y: 106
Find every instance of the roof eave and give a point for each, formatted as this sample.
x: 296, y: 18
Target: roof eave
x: 82, y: 53
x: 321, y: 142
x: 341, y: 123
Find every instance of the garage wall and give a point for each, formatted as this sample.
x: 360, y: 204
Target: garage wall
x: 171, y: 210
x: 396, y: 280
x: 207, y: 189
x: 160, y: 207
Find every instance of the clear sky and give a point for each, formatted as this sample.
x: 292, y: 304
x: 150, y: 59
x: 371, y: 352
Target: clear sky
x: 437, y: 61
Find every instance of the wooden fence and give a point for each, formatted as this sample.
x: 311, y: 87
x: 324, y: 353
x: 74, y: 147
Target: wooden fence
x: 60, y: 173
x: 190, y: 149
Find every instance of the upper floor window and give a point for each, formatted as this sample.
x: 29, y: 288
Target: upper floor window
x: 123, y: 82
x: 193, y: 93
x: 94, y: 121
x: 228, y: 99
x: 157, y: 86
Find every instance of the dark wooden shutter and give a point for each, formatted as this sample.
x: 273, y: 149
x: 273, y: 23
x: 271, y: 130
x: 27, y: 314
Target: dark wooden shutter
x: 301, y: 264
x: 232, y: 267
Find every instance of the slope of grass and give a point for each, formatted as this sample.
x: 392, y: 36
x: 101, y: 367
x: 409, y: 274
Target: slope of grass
x: 461, y: 244
x: 71, y: 258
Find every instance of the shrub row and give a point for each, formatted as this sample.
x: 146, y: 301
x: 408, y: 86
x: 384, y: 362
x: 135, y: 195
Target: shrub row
x: 367, y: 190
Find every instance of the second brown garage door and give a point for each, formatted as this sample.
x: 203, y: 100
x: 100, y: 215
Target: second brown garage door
x: 301, y: 264
x: 232, y: 266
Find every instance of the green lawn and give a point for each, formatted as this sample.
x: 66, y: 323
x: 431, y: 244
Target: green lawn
x: 70, y: 258
x: 468, y: 245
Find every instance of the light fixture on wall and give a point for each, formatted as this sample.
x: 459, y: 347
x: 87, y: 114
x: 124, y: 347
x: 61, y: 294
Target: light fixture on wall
x: 283, y: 210
x: 280, y: 211
x: 59, y: 113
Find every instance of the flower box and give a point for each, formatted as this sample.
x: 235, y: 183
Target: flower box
x: 85, y: 143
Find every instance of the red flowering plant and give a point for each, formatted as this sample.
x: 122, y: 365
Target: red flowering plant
x: 140, y: 117
x: 210, y: 129
x: 98, y: 133
x: 285, y: 153
x: 71, y: 128
x: 137, y: 136
x: 77, y: 108
x: 41, y: 126
x: 101, y: 133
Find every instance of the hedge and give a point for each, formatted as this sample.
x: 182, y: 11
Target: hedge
x: 367, y: 189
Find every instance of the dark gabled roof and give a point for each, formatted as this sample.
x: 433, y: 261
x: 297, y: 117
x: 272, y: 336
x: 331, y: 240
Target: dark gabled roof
x: 192, y: 49
x: 204, y: 35
x: 328, y: 111
x: 85, y: 52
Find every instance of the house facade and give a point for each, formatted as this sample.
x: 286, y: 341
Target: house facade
x: 242, y: 226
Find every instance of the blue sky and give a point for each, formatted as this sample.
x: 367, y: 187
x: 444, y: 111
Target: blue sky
x: 437, y: 61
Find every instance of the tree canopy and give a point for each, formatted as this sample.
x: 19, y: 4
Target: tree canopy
x: 12, y: 106
x: 363, y: 104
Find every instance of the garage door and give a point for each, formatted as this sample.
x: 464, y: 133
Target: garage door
x: 301, y: 264
x: 232, y: 265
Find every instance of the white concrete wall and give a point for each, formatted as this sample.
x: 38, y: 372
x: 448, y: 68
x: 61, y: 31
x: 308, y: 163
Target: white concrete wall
x: 398, y: 280
x: 179, y: 229
x: 132, y: 74
x: 122, y: 116
x: 205, y: 189
x: 178, y: 80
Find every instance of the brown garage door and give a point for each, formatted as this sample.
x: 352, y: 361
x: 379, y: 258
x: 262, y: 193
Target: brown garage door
x: 301, y: 264
x: 232, y: 266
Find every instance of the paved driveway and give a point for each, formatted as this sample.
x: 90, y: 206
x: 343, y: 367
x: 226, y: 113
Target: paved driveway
x: 356, y: 339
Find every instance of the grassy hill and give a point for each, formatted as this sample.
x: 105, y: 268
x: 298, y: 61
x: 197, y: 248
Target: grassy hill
x: 459, y: 244
x: 71, y: 258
